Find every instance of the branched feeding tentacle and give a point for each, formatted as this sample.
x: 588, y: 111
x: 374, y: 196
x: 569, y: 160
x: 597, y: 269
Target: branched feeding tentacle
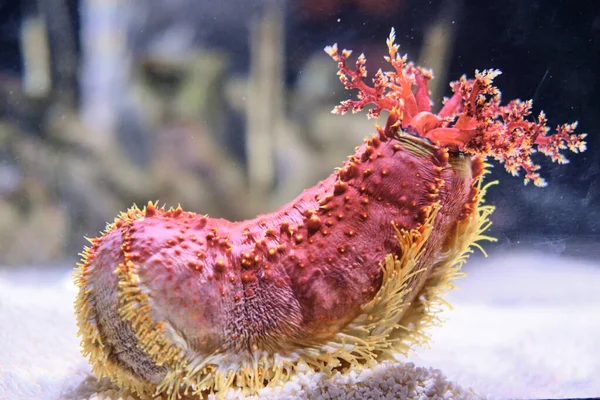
x: 472, y: 121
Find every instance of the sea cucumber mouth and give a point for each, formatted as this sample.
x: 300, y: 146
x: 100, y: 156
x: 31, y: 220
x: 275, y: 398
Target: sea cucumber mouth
x: 454, y: 150
x: 420, y: 142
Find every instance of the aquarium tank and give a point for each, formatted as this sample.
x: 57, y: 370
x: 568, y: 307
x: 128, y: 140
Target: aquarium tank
x: 301, y: 199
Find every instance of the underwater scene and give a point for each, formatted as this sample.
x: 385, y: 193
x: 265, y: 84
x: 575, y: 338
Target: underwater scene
x: 301, y: 199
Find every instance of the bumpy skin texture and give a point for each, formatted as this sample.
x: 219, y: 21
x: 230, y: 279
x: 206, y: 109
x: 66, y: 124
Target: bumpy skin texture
x: 291, y: 279
x: 297, y: 275
x: 348, y: 272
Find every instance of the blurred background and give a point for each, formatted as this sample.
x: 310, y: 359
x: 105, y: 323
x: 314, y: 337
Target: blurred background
x: 224, y: 107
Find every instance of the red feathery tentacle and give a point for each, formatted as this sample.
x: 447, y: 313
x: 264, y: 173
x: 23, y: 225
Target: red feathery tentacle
x: 471, y: 121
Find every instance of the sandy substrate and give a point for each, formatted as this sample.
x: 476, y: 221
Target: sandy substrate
x: 523, y: 326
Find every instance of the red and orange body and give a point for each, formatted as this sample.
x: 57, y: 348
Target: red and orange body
x: 347, y: 273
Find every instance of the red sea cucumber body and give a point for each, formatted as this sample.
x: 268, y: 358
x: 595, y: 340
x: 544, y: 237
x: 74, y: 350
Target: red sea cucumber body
x: 347, y: 273
x: 302, y: 272
x: 292, y: 278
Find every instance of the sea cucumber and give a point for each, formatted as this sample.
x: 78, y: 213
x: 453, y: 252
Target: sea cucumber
x: 349, y: 273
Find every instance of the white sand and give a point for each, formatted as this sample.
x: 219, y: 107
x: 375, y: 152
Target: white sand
x: 523, y: 326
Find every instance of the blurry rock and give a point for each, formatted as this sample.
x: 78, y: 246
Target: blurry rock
x: 34, y: 224
x: 186, y: 87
